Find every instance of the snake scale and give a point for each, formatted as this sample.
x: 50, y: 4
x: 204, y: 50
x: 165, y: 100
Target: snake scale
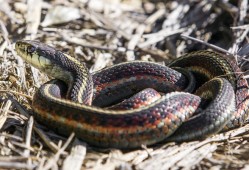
x: 79, y: 101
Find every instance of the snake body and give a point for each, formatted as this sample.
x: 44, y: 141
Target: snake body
x: 76, y: 101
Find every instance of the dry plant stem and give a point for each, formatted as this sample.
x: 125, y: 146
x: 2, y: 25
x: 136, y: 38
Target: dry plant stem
x: 33, y: 17
x: 241, y: 35
x: 23, y: 145
x: 133, y: 42
x: 28, y: 138
x: 4, y: 113
x: 81, y: 42
x: 11, y: 136
x: 207, y: 44
x: 14, y: 158
x: 243, y: 11
x: 17, y: 93
x: 228, y: 6
x: 157, y: 37
x: 76, y: 158
x: 177, y: 157
x: 139, y: 32
x: 52, y: 161
x: 180, y: 153
x: 47, y: 140
x: 110, y: 25
x: 15, y: 165
x: 158, y: 54
x: 154, y: 17
x: 19, y: 107
x: 240, y: 27
x: 196, y: 156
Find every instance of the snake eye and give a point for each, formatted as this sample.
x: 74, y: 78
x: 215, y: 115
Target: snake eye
x: 30, y: 49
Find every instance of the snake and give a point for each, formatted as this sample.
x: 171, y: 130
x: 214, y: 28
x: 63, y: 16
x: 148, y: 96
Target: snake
x: 199, y: 94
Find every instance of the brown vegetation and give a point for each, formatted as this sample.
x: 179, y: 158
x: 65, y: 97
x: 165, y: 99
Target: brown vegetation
x: 102, y: 33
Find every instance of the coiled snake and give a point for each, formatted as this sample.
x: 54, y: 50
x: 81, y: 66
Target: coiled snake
x: 78, y: 101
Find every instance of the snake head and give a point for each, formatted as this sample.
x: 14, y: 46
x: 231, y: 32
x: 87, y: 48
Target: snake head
x: 35, y: 53
x: 45, y: 58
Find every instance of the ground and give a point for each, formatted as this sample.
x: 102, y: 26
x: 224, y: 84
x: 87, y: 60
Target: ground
x: 102, y: 33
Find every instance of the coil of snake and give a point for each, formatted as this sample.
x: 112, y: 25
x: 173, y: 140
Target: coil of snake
x: 78, y: 101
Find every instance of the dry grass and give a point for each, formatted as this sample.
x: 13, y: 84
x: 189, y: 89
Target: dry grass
x: 102, y: 33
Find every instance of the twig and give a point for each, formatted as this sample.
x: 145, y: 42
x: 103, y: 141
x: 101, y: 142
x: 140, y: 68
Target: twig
x: 207, y: 44
x: 16, y: 165
x: 17, y: 93
x: 4, y: 113
x: 52, y: 161
x: 28, y: 138
x: 46, y: 139
x: 76, y: 157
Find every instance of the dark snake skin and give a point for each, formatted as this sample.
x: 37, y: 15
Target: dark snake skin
x: 222, y: 102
